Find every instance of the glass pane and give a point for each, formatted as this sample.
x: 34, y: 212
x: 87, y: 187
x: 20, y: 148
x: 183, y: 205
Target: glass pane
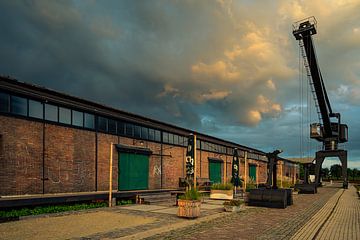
x: 197, y: 144
x: 137, y: 130
x: 64, y: 115
x: 112, y: 126
x: 144, y: 133
x: 171, y: 138
x: 157, y: 135
x: 102, y: 124
x: 181, y: 140
x: 51, y: 112
x: 19, y: 105
x: 35, y: 109
x: 129, y: 129
x: 89, y: 120
x: 176, y: 139
x: 121, y: 128
x: 165, y: 137
x: 77, y: 118
x: 151, y: 134
x: 4, y: 102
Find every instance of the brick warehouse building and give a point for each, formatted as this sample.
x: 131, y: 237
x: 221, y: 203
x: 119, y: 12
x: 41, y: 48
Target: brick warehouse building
x: 51, y: 142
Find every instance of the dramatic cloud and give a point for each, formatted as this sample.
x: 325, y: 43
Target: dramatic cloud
x: 225, y: 68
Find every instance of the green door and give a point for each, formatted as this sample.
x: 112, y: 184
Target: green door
x: 252, y: 172
x: 133, y: 171
x: 215, y: 172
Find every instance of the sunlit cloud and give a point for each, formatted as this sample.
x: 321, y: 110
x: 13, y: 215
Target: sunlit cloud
x: 226, y: 68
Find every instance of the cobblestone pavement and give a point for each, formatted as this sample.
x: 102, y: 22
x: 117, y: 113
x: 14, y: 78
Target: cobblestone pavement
x: 338, y: 219
x: 253, y: 223
x: 258, y: 223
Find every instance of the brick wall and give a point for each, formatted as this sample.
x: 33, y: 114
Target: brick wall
x: 173, y: 165
x: 21, y: 156
x: 103, y: 162
x: 69, y: 159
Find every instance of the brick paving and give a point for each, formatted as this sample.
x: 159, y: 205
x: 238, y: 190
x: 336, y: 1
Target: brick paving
x: 257, y: 223
x: 338, y: 219
x: 333, y: 213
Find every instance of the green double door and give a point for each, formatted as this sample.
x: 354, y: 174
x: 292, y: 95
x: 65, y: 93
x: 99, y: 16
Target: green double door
x: 215, y: 172
x: 252, y: 172
x: 133, y: 171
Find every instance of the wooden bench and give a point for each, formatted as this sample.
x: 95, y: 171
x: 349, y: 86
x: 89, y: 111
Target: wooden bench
x: 201, y: 183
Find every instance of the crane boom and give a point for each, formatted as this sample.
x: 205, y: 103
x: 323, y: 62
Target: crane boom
x: 328, y: 132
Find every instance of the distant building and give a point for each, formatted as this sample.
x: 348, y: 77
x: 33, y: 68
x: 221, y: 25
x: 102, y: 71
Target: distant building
x: 51, y: 142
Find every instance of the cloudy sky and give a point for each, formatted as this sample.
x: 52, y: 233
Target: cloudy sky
x: 225, y: 68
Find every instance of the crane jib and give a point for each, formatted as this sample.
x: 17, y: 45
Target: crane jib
x: 328, y: 132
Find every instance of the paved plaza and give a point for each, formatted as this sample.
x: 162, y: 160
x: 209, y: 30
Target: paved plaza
x: 333, y: 213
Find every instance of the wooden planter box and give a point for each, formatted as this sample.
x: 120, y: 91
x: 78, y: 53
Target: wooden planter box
x: 189, y: 208
x: 222, y: 194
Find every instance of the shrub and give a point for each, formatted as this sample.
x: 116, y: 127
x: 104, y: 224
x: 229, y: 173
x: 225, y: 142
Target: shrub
x: 191, y: 194
x: 222, y: 186
x: 285, y: 184
x: 250, y: 185
x: 49, y: 209
x: 124, y: 202
x: 233, y: 202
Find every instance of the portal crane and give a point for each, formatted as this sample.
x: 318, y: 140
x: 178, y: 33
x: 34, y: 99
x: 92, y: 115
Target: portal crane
x: 330, y: 131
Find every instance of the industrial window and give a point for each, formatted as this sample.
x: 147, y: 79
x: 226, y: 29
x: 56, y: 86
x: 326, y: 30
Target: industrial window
x: 112, y: 126
x: 51, y: 112
x: 36, y: 109
x: 171, y: 138
x: 102, y: 124
x: 18, y: 105
x: 204, y: 145
x: 129, y: 129
x: 151, y: 134
x: 241, y: 153
x: 121, y: 128
x: 137, y: 131
x: 176, y: 139
x: 77, y: 118
x: 165, y: 137
x: 64, y: 115
x: 4, y: 102
x: 197, y: 144
x: 157, y: 136
x: 144, y: 133
x: 89, y: 120
x: 182, y: 140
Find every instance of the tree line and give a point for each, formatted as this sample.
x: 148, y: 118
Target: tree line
x: 335, y: 173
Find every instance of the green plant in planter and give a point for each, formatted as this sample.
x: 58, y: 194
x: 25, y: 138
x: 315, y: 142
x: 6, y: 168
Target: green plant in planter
x: 285, y: 184
x: 233, y: 202
x: 222, y: 186
x: 250, y: 185
x: 191, y: 194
